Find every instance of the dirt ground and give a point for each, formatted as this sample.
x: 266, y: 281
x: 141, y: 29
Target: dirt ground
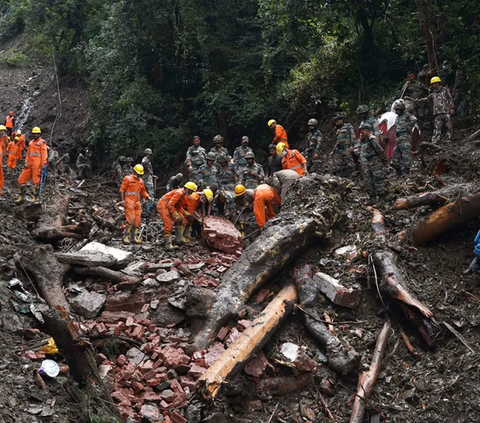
x: 439, y: 385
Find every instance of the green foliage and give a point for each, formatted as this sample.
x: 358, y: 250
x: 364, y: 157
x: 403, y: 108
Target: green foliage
x: 14, y: 58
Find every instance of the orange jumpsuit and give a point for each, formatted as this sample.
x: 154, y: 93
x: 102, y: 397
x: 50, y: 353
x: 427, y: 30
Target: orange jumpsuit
x: 280, y: 135
x: 294, y: 160
x: 12, y: 154
x: 21, y: 146
x: 191, y: 202
x: 170, y: 204
x: 263, y: 197
x: 133, y: 187
x: 4, y: 140
x: 36, y: 157
x: 1, y: 171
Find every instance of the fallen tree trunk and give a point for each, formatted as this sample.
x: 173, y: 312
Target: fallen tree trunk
x: 250, y: 341
x: 443, y: 219
x: 40, y: 263
x: 393, y: 285
x: 367, y: 380
x: 259, y: 262
x: 340, y: 358
x: 79, y: 356
x: 435, y: 197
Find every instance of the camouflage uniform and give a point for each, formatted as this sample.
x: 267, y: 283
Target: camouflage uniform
x: 119, y: 173
x: 239, y: 158
x: 415, y: 89
x: 370, y: 120
x: 402, y: 155
x: 342, y: 156
x: 227, y: 177
x: 312, y: 147
x: 127, y: 169
x: 195, y: 157
x: 222, y: 152
x: 148, y: 176
x: 206, y: 175
x: 252, y: 176
x: 442, y: 104
x: 372, y: 159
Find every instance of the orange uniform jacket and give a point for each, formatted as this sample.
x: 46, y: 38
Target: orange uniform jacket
x: 294, y: 160
x: 4, y: 140
x: 37, y: 152
x: 263, y: 198
x: 175, y: 200
x: 9, y: 122
x: 21, y: 146
x: 133, y: 187
x: 12, y: 154
x: 280, y: 135
x: 172, y: 202
x: 191, y: 202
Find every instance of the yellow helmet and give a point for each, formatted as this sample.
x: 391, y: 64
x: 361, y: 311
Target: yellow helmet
x: 192, y: 186
x: 19, y: 132
x: 2, y: 128
x: 435, y: 79
x: 239, y: 190
x: 208, y: 194
x: 36, y: 130
x: 17, y: 138
x: 280, y: 148
x: 271, y: 122
x: 139, y: 169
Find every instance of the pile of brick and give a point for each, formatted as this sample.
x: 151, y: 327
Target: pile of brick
x: 222, y: 235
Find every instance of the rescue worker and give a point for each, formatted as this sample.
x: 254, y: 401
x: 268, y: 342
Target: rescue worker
x: 239, y: 155
x: 196, y: 156
x: 442, y: 110
x: 226, y: 174
x: 12, y: 150
x: 172, y: 213
x: 207, y: 173
x: 192, y: 204
x: 343, y: 152
x: 282, y: 181
x: 118, y: 170
x: 148, y: 177
x: 218, y: 149
x: 475, y: 264
x: 174, y: 182
x: 4, y: 139
x: 10, y: 123
x: 84, y: 170
x: 312, y: 142
x: 264, y: 198
x: 244, y: 204
x: 253, y: 175
x: 402, y: 155
x: 364, y: 112
x: 292, y: 159
x: 414, y: 90
x: 35, y: 162
x: 372, y: 163
x: 127, y: 167
x: 65, y: 168
x: 21, y: 145
x: 274, y: 163
x: 132, y: 188
x: 53, y: 159
x: 280, y: 133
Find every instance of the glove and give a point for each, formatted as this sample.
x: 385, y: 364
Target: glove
x: 176, y: 217
x: 188, y: 216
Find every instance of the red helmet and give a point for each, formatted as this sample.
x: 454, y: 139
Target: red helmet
x: 11, y: 113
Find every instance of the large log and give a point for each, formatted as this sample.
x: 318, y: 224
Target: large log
x: 259, y: 262
x: 40, y: 263
x: 445, y: 218
x: 366, y: 381
x: 340, y: 358
x: 249, y: 342
x: 438, y: 197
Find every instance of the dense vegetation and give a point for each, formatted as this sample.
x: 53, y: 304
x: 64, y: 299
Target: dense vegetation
x: 160, y: 71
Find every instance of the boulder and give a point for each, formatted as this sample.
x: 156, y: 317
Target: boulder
x: 88, y: 304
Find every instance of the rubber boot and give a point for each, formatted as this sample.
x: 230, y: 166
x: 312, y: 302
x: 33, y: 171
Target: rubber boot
x: 242, y: 228
x: 474, y: 267
x: 34, y: 196
x: 21, y: 195
x: 136, y: 238
x: 179, y: 239
x: 186, y: 233
x: 126, y: 234
x: 168, y: 242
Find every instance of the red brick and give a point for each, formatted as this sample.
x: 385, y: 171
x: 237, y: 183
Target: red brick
x: 196, y: 371
x: 157, y: 364
x: 119, y: 396
x: 145, y: 308
x: 102, y: 330
x: 137, y: 376
x: 149, y: 375
x: 138, y: 332
x: 177, y: 418
x: 137, y: 387
x: 125, y: 413
x: 100, y: 358
x: 176, y: 387
x: 187, y: 383
x: 119, y: 328
x: 222, y: 333
x: 213, y: 353
x: 129, y: 321
x: 152, y: 327
x: 121, y: 360
x: 173, y: 357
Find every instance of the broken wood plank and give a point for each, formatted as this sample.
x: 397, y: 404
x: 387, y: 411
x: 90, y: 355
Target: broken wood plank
x: 259, y: 262
x: 367, y: 380
x: 340, y: 358
x: 250, y: 341
x: 445, y: 218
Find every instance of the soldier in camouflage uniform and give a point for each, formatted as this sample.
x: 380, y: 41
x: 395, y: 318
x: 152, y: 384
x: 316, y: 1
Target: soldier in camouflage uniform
x: 402, y: 155
x: 148, y: 175
x: 226, y: 174
x: 372, y: 163
x: 413, y: 90
x: 253, y: 175
x: 118, y: 170
x: 219, y: 150
x: 196, y: 156
x: 442, y: 109
x: 364, y: 112
x: 342, y: 155
x: 207, y: 173
x: 239, y: 155
x: 128, y: 166
x: 312, y: 142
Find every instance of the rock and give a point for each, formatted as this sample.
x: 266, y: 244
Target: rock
x: 289, y: 351
x: 88, y: 304
x: 168, y: 277
x: 11, y: 323
x: 194, y: 413
x: 125, y: 301
x: 256, y: 366
x: 151, y: 413
x: 165, y: 315
x: 222, y: 235
x: 213, y: 353
x: 337, y: 293
x: 135, y: 356
x: 216, y: 418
